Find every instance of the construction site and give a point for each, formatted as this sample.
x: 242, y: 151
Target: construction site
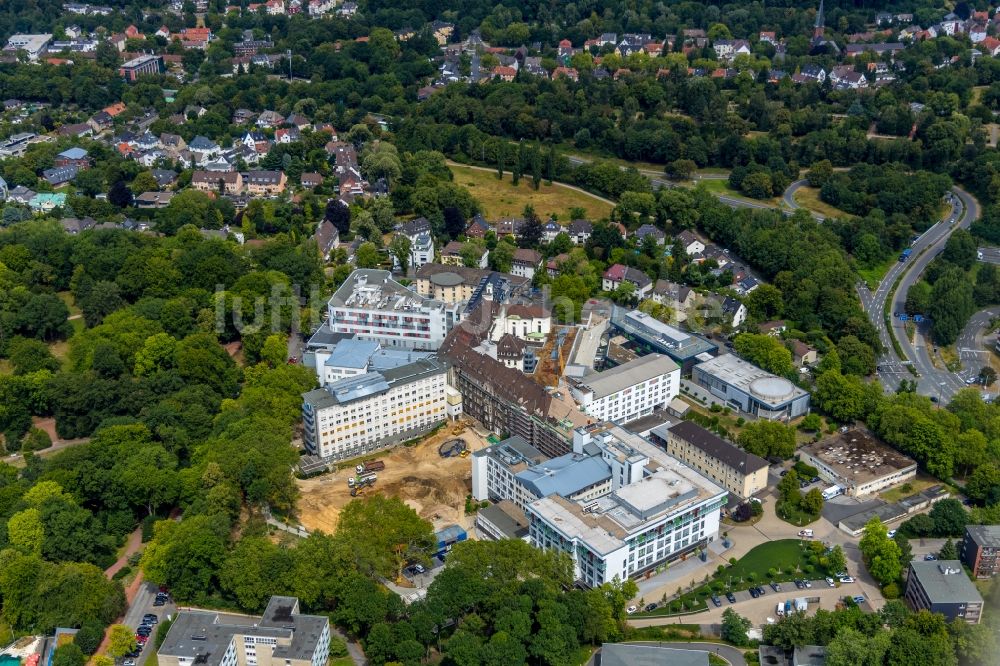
x: 434, y: 485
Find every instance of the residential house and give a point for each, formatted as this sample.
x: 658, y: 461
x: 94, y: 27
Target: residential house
x: 747, y: 285
x: 509, y: 226
x: 270, y: 119
x: 768, y: 37
x: 619, y: 273
x: 990, y: 45
x: 311, y: 179
x: 74, y: 225
x: 77, y: 157
x: 288, y: 135
x: 693, y: 246
x: 810, y: 74
x: 734, y: 312
x: 844, y: 76
x: 580, y: 231
x: 525, y: 263
x: 478, y: 226
x: 46, y: 202
x: 224, y: 182
x: 680, y: 298
x: 203, y: 149
x: 154, y: 199
x: 726, y: 49
x: 327, y: 238
x: 550, y: 230
x: 21, y: 195
x: 265, y: 182
x: 76, y: 130
x: 164, y: 177
x: 57, y: 176
x: 555, y: 264
x: 649, y: 230
x: 565, y: 72
x: 172, y: 142
x: 802, y: 354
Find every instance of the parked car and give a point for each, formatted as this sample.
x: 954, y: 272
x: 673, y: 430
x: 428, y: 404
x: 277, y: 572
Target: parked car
x: 760, y: 590
x: 631, y: 609
x: 783, y: 472
x: 716, y: 600
x: 754, y: 593
x: 419, y: 568
x: 159, y: 602
x: 150, y: 618
x: 776, y: 587
x: 829, y: 581
x: 730, y: 597
x: 859, y: 599
x: 891, y: 533
x: 929, y: 557
x: 799, y: 583
x: 808, y: 583
x: 806, y: 533
x: 846, y: 579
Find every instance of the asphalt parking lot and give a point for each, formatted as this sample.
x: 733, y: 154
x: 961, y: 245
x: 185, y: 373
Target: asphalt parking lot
x: 142, y: 604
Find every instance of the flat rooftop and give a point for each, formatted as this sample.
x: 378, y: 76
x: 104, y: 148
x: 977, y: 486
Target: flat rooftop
x: 945, y: 582
x: 987, y: 536
x: 203, y: 636
x: 634, y: 372
x: 668, y: 487
x: 858, y: 456
x: 669, y: 339
x: 760, y: 384
x: 371, y: 289
x: 354, y: 388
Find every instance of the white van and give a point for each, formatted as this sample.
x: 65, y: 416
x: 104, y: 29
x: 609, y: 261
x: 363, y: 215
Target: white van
x: 832, y: 492
x: 780, y: 609
x: 806, y: 534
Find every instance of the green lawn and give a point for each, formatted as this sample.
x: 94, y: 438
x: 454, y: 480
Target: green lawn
x: 873, y: 276
x: 502, y: 199
x: 808, y: 198
x: 794, y: 515
x: 721, y: 186
x: 789, y: 558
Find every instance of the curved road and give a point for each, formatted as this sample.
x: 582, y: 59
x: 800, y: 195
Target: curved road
x: 659, y: 181
x: 970, y: 343
x: 789, y: 197
x: 934, y: 382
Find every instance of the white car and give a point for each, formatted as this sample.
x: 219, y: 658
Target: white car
x: 846, y: 579
x: 419, y: 568
x: 806, y: 533
x: 809, y: 583
x: 631, y: 609
x: 829, y: 581
x: 891, y: 533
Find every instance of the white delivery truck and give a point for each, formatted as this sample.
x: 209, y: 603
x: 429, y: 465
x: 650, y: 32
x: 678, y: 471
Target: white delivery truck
x: 832, y: 492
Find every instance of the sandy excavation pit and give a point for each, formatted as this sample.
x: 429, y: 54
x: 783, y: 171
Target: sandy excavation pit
x: 435, y: 487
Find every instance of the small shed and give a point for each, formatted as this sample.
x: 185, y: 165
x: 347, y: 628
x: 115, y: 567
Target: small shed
x: 447, y: 537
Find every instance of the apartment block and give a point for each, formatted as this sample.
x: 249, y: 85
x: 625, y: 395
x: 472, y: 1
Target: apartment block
x: 373, y: 306
x: 942, y: 587
x: 629, y: 391
x: 226, y: 182
x: 365, y: 413
x: 265, y: 182
x: 980, y: 550
x: 739, y: 472
x: 282, y: 637
x: 140, y: 66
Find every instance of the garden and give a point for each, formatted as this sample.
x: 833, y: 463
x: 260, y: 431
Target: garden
x: 775, y: 561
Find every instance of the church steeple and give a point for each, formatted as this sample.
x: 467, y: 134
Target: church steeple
x: 819, y: 27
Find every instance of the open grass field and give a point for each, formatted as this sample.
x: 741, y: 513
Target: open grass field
x: 873, y: 276
x: 808, y: 198
x: 721, y: 186
x: 919, y: 484
x: 502, y: 199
